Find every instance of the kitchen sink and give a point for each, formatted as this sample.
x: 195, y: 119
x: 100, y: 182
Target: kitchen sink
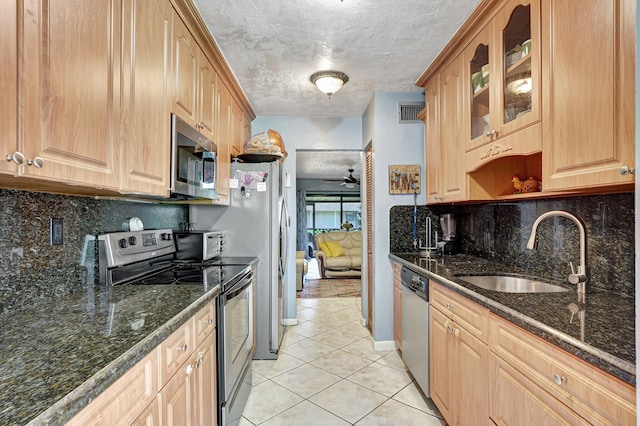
x: 507, y: 284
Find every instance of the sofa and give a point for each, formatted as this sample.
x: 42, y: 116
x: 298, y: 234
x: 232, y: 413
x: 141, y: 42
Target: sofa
x: 339, y: 254
x: 302, y: 267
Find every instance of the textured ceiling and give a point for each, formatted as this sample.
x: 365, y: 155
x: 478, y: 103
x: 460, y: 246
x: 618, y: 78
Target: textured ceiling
x: 319, y: 164
x: 274, y: 46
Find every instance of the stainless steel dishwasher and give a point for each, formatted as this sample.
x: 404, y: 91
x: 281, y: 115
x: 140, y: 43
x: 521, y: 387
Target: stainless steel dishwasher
x: 415, y: 326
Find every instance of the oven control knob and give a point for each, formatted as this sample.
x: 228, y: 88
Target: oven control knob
x: 133, y: 241
x: 166, y: 237
x: 123, y: 243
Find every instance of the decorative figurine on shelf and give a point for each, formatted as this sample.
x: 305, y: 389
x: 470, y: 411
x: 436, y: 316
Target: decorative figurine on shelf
x: 517, y: 184
x: 347, y: 225
x: 531, y: 185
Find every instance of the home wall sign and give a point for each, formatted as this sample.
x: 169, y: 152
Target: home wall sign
x: 404, y: 179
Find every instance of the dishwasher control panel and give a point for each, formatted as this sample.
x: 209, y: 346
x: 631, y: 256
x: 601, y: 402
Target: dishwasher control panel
x: 415, y: 282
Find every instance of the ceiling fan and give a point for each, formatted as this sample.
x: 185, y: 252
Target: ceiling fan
x: 348, y: 181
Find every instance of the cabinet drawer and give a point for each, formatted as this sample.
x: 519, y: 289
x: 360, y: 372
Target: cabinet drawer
x: 205, y: 322
x: 124, y: 400
x: 175, y: 350
x: 516, y: 400
x: 469, y: 315
x: 590, y: 392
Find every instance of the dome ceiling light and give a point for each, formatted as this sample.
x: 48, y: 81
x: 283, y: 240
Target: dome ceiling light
x: 329, y: 82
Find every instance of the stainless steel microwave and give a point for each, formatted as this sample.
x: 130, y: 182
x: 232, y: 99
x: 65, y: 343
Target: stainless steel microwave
x: 193, y: 162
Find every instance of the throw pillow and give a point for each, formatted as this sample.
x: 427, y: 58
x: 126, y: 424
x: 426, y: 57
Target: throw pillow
x: 336, y: 248
x: 325, y: 249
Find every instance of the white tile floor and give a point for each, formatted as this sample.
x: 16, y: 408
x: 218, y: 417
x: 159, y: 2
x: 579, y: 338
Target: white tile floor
x: 327, y: 373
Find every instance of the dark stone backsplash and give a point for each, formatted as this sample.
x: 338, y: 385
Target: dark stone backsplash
x: 500, y: 231
x: 31, y: 270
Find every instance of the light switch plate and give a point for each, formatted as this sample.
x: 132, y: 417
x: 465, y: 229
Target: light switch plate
x: 56, y: 229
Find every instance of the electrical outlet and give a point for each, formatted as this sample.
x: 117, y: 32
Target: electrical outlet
x: 56, y: 231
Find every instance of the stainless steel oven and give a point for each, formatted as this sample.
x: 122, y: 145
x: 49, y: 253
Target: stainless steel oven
x: 193, y: 162
x: 235, y: 348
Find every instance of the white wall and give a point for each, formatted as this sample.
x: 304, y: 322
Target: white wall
x: 393, y: 144
x: 306, y: 133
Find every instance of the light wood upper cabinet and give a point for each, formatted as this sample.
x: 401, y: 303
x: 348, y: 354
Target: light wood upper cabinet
x: 185, y: 72
x: 452, y: 178
x: 502, y: 94
x: 589, y: 93
x: 239, y: 133
x: 72, y: 96
x: 9, y: 85
x: 207, y: 98
x: 432, y: 139
x: 225, y: 134
x: 194, y: 82
x: 146, y: 145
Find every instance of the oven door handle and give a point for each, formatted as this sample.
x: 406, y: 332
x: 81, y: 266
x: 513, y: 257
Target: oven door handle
x: 239, y: 287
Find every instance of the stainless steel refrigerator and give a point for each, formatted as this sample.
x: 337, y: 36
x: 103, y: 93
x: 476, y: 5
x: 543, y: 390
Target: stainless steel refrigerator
x: 256, y: 224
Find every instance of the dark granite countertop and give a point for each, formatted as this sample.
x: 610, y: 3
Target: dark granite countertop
x: 608, y: 339
x: 58, y: 356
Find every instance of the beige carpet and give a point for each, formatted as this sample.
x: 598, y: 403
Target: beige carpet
x: 331, y: 287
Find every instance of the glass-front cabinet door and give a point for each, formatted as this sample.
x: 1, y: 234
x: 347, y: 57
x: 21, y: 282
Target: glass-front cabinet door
x: 503, y: 78
x: 479, y: 83
x: 517, y: 28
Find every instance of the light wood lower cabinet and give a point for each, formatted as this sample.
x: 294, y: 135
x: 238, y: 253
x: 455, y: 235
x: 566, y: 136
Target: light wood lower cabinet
x: 397, y: 304
x: 458, y: 360
x: 189, y: 398
x: 124, y: 400
x: 174, y: 385
x: 557, y: 377
x: 515, y: 400
x: 484, y: 367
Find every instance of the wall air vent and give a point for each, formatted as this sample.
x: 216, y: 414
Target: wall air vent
x: 408, y: 112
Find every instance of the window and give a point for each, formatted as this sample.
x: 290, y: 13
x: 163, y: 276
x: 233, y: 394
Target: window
x: 330, y: 212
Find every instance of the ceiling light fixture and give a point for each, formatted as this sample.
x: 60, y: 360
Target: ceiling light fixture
x: 329, y: 82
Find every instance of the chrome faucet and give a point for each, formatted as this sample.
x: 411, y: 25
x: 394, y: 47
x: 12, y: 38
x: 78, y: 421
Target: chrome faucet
x: 578, y: 277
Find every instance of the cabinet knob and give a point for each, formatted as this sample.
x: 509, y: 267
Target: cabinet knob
x: 208, y: 321
x: 449, y: 306
x: 559, y: 380
x: 491, y: 133
x: 447, y: 326
x: 17, y: 157
x: 37, y: 162
x: 624, y: 170
x: 182, y: 348
x: 188, y: 370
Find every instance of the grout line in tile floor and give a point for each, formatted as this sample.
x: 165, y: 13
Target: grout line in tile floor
x: 327, y: 373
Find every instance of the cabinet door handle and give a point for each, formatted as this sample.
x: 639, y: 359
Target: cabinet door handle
x: 37, y: 162
x: 188, y: 370
x: 447, y: 326
x: 449, y: 306
x: 182, y: 348
x: 208, y: 321
x: 559, y: 380
x: 491, y: 133
x: 624, y: 170
x: 17, y: 157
